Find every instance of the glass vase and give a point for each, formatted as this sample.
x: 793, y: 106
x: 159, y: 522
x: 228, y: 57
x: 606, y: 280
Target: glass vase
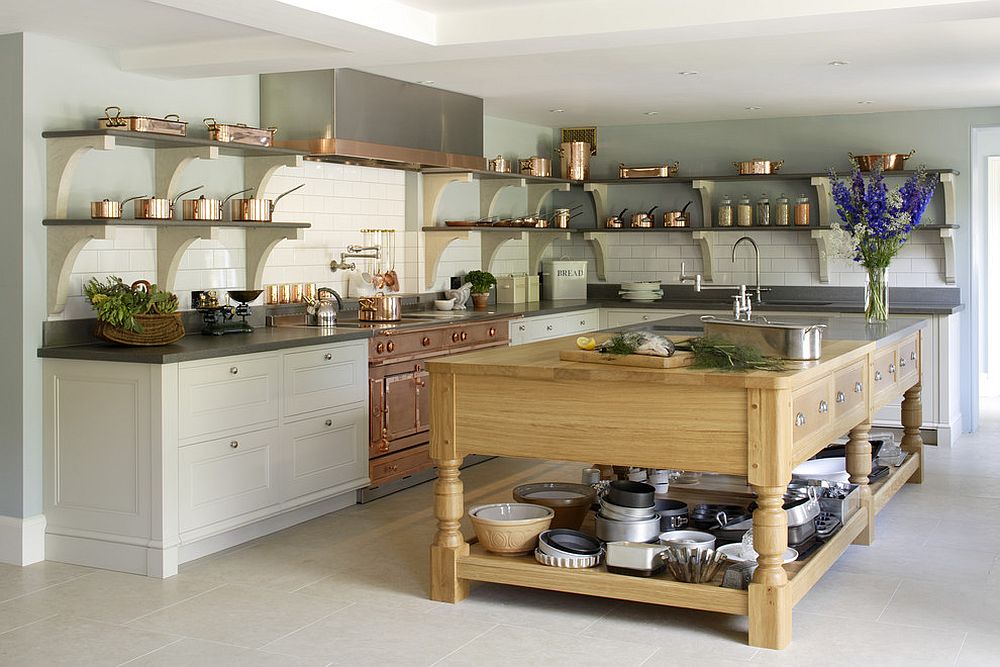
x: 877, y: 294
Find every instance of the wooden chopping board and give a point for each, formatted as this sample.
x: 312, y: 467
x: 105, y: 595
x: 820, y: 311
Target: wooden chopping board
x: 679, y: 359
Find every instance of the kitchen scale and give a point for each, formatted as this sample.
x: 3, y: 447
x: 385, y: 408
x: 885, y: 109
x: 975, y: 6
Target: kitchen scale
x: 219, y: 319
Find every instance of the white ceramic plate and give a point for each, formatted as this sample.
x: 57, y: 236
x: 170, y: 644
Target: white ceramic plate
x: 732, y: 552
x: 833, y: 470
x: 641, y: 285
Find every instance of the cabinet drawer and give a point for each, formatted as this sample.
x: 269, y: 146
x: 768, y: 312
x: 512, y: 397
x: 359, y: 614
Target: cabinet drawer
x: 324, y: 378
x: 398, y: 344
x: 326, y: 451
x: 586, y: 320
x: 478, y: 333
x: 222, y: 479
x: 401, y: 464
x: 884, y: 372
x: 810, y: 409
x: 224, y: 395
x: 540, y: 328
x: 908, y: 360
x: 849, y: 389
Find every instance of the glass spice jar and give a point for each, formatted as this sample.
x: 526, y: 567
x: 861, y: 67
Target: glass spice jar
x: 744, y: 212
x: 764, y: 211
x: 782, y: 211
x: 726, y: 212
x: 802, y: 211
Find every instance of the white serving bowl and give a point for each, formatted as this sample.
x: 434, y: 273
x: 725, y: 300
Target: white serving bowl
x: 832, y: 470
x: 444, y: 304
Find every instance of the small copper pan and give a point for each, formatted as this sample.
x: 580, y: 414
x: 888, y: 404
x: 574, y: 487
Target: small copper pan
x: 251, y: 209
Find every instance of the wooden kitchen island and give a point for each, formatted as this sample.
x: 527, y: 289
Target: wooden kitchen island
x: 525, y: 402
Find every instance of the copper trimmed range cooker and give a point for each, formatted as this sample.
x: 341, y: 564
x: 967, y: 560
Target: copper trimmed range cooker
x: 399, y: 418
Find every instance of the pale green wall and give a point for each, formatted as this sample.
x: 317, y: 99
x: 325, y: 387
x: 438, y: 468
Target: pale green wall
x: 12, y: 447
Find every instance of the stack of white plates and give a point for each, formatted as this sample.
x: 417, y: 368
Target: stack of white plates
x: 644, y: 291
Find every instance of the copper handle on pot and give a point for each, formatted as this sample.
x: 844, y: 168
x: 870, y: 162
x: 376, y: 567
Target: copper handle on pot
x: 233, y: 195
x: 173, y: 202
x: 172, y: 116
x: 116, y: 121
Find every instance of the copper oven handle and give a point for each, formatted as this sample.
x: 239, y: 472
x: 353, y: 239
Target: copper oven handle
x: 390, y: 346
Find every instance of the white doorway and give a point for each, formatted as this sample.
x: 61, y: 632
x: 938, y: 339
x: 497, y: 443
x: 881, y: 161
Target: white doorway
x: 989, y: 347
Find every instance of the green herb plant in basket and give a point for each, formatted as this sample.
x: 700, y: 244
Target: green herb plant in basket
x: 136, y: 314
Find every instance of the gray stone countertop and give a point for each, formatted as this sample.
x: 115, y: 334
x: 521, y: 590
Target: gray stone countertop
x: 265, y: 339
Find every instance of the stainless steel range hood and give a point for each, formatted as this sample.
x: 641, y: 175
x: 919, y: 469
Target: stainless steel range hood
x: 349, y: 116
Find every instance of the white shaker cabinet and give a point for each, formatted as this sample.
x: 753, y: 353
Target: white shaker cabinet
x: 544, y: 327
x: 148, y: 466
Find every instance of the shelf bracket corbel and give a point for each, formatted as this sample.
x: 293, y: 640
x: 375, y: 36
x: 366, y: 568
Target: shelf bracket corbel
x: 171, y: 243
x: 825, y: 199
x: 435, y: 244
x: 538, y: 243
x: 433, y: 187
x: 599, y: 242
x: 822, y: 239
x: 489, y: 192
x: 948, y: 188
x: 706, y: 241
x: 63, y: 246
x: 706, y: 189
x: 599, y: 193
x: 258, y: 170
x: 490, y: 243
x: 259, y: 244
x: 537, y: 192
x: 948, y: 241
x: 62, y: 154
x: 170, y: 164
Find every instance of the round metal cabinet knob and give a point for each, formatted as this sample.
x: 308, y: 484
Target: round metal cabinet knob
x: 328, y: 356
x: 234, y: 444
x: 913, y: 356
x: 234, y: 370
x: 464, y: 336
x: 800, y: 419
x: 858, y: 387
x: 878, y: 376
x: 824, y: 407
x: 548, y: 327
x: 454, y: 337
x: 379, y: 348
x: 841, y: 397
x: 390, y: 346
x: 425, y: 341
x: 329, y: 422
x: 892, y: 368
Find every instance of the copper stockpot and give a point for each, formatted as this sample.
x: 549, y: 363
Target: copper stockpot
x: 379, y: 308
x: 887, y: 161
x: 250, y: 209
x: 158, y: 208
x: 108, y: 209
x: 535, y: 166
x: 574, y: 160
x: 203, y: 208
x: 757, y: 166
x: 500, y: 165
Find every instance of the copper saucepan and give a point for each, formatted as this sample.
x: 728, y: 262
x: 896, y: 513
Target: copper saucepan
x: 108, y: 209
x: 757, y: 166
x: 643, y: 220
x: 887, y: 161
x: 535, y: 166
x: 206, y: 208
x: 379, y: 308
x: 158, y: 208
x: 251, y: 209
x: 615, y: 221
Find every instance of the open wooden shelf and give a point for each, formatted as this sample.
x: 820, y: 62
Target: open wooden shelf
x: 129, y: 222
x: 884, y: 489
x: 779, y: 176
x: 153, y: 140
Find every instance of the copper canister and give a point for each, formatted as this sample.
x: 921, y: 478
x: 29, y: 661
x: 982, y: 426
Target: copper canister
x: 575, y: 160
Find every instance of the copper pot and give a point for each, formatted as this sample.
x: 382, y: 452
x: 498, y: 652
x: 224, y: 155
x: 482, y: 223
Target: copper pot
x: 206, y: 208
x: 251, y: 209
x: 677, y: 218
x: 108, y: 209
x: 535, y: 166
x: 574, y: 160
x: 643, y: 220
x: 158, y: 208
x: 379, y: 308
x: 615, y: 221
x: 757, y: 166
x: 501, y: 165
x: 886, y: 161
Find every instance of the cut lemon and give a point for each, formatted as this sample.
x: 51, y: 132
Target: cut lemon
x: 585, y: 343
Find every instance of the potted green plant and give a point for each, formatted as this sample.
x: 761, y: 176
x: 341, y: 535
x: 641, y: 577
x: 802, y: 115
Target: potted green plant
x: 481, y: 281
x: 136, y: 314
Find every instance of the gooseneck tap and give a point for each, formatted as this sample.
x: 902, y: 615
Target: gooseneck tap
x: 756, y: 259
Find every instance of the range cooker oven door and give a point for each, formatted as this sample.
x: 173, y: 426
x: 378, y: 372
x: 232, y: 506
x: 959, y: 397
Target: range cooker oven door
x: 400, y: 408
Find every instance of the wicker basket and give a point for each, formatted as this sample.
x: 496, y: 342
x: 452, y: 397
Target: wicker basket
x: 156, y: 330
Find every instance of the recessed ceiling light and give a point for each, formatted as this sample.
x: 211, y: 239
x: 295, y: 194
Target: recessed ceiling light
x: 426, y: 82
x: 650, y: 113
x: 866, y: 102
x: 838, y: 63
x: 752, y: 108
x: 557, y: 110
x: 688, y: 72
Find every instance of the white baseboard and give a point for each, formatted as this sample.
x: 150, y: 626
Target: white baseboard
x: 22, y: 541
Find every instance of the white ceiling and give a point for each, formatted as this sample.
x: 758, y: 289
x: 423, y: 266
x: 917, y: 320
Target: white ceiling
x: 601, y: 61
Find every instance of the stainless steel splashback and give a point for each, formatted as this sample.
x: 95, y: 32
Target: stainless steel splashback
x: 347, y: 115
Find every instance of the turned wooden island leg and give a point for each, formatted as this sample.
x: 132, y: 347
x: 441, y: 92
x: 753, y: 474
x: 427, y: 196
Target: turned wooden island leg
x: 859, y: 466
x: 912, y: 417
x: 449, y: 543
x: 770, y: 605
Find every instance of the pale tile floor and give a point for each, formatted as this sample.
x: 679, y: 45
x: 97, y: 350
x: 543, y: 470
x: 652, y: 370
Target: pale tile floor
x: 350, y: 589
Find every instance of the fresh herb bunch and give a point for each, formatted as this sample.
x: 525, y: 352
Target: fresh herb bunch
x: 118, y: 304
x: 481, y: 281
x: 879, y: 220
x: 716, y: 352
x: 625, y: 342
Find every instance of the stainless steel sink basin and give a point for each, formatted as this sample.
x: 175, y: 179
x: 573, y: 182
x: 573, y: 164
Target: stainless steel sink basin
x: 801, y: 342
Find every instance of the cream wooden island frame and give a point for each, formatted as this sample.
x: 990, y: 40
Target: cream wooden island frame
x: 524, y: 402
